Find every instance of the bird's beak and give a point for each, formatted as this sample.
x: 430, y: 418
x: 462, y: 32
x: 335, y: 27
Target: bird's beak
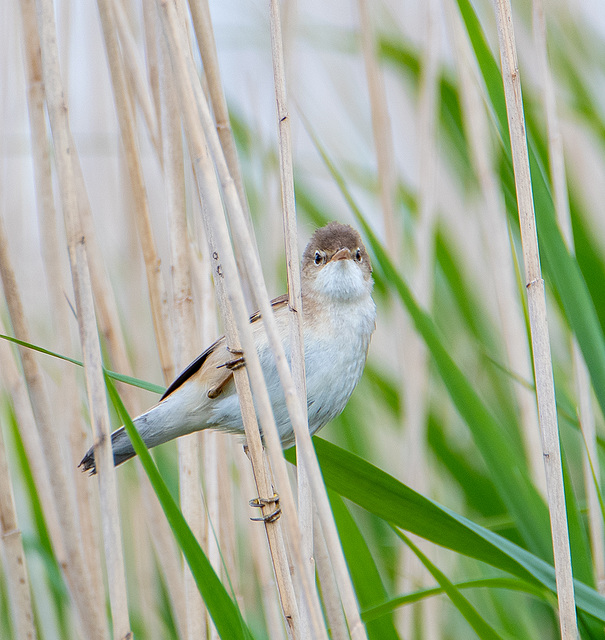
x: 341, y: 254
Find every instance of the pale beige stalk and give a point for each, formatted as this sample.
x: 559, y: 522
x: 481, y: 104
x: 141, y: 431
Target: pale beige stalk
x: 134, y: 70
x: 286, y: 173
x: 261, y: 560
x: 494, y: 230
x: 305, y: 448
x: 152, y: 37
x: 61, y: 485
x: 545, y: 389
x: 580, y: 371
x: 68, y: 416
x: 202, y: 25
x: 184, y: 329
x: 58, y: 117
x: 34, y: 449
x: 228, y: 293
x: 337, y: 622
x: 381, y: 130
x: 124, y: 108
x: 15, y: 567
x: 422, y: 265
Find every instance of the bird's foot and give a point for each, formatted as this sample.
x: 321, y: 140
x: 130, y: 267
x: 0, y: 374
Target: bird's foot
x: 265, y: 502
x: 237, y: 362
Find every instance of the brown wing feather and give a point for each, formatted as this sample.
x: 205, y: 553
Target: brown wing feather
x: 226, y: 374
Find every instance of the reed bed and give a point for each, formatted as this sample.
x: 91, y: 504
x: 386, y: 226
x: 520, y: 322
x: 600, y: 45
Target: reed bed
x: 163, y: 164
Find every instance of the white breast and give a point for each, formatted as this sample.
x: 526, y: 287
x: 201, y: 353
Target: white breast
x: 335, y: 355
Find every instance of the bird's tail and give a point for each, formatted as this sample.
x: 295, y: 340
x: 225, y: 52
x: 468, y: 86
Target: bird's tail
x: 122, y: 451
x: 160, y: 424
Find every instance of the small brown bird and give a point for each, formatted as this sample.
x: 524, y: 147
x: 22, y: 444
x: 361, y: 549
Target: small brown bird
x: 339, y: 317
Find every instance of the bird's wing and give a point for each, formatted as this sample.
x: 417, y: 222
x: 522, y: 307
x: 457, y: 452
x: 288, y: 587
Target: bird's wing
x: 217, y: 356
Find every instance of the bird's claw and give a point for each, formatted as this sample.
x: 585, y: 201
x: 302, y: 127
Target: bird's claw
x: 264, y: 502
x: 235, y: 363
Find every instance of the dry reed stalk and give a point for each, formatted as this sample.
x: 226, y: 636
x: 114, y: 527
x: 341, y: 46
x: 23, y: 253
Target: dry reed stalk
x: 337, y: 623
x: 152, y: 37
x: 134, y: 70
x: 416, y: 371
x: 55, y: 285
x: 217, y: 456
x: 202, y: 25
x: 229, y: 294
x: 63, y: 498
x: 494, y: 230
x: 184, y: 329
x: 580, y: 370
x: 145, y: 579
x: 124, y: 109
x: 382, y: 131
x: 297, y: 363
x: 14, y: 384
x: 239, y: 227
x: 93, y: 367
x: 15, y: 568
x: 305, y: 448
x: 545, y: 389
x: 261, y: 560
x: 169, y: 557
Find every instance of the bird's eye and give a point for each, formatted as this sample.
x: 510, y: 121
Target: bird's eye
x: 358, y: 255
x: 318, y: 258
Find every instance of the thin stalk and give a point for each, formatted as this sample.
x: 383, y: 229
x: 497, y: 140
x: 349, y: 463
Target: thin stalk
x: 204, y: 33
x: 56, y: 285
x: 261, y: 562
x: 297, y: 361
x: 545, y: 389
x: 305, y: 448
x: 202, y: 25
x: 15, y: 568
x: 494, y: 230
x: 580, y: 370
x: 184, y: 330
x: 337, y: 623
x: 381, y: 129
x: 155, y: 283
x: 229, y: 294
x: 134, y: 69
x: 52, y: 454
x: 416, y: 372
x: 58, y: 117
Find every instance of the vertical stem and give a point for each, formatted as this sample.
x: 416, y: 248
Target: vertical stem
x: 297, y: 358
x: 545, y: 389
x: 230, y: 295
x: 184, y: 325
x: 499, y: 259
x: 580, y: 370
x: 157, y: 292
x: 58, y: 117
x: 14, y: 557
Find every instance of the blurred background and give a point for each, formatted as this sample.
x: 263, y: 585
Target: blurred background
x: 403, y: 100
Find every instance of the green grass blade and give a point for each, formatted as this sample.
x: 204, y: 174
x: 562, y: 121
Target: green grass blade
x: 509, y: 471
x: 135, y: 382
x: 560, y: 266
x: 366, y: 579
x: 384, y: 496
x: 225, y: 613
x: 511, y: 584
x: 471, y: 615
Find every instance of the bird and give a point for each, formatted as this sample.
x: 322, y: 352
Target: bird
x: 338, y: 317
